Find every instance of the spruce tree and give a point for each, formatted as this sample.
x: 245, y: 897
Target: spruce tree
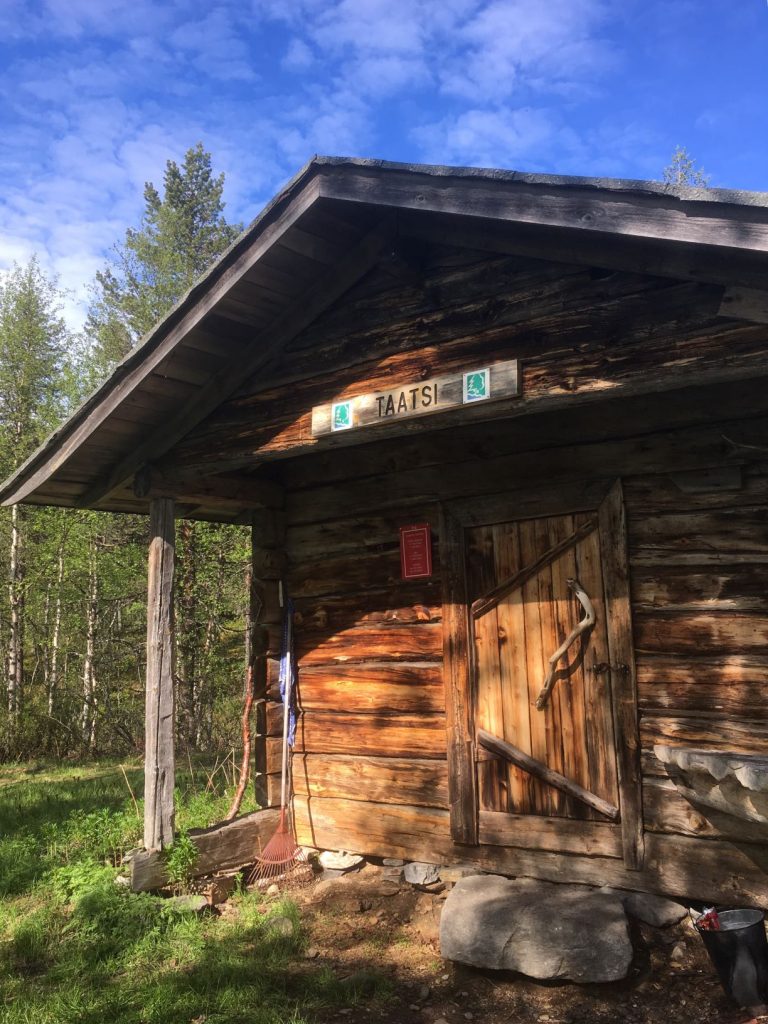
x: 181, y: 233
x: 682, y: 170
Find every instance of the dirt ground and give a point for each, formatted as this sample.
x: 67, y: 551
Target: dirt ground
x: 370, y: 924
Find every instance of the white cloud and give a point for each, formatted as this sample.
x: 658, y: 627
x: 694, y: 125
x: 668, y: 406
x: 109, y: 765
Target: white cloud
x: 489, y: 138
x: 114, y: 88
x: 216, y: 45
x: 511, y: 44
x: 298, y: 56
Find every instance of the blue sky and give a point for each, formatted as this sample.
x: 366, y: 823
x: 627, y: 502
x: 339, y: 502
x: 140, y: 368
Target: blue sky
x: 95, y: 95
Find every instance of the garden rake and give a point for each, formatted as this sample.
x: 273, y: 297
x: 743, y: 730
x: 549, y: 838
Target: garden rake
x: 282, y: 860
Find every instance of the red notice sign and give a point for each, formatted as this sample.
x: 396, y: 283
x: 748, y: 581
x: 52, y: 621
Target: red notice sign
x: 416, y: 551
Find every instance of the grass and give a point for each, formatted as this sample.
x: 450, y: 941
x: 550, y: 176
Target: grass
x: 76, y: 948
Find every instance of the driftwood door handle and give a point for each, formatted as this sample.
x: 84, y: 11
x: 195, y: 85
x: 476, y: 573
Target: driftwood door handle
x: 586, y: 624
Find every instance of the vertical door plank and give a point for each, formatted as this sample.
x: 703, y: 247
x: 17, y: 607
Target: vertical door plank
x: 514, y: 682
x: 567, y: 697
x: 535, y: 662
x: 458, y: 689
x: 597, y: 687
x: 613, y: 544
x: 489, y: 714
x: 491, y: 774
x: 546, y: 539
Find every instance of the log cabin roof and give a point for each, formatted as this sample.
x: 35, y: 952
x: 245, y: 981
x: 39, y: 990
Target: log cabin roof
x: 333, y: 222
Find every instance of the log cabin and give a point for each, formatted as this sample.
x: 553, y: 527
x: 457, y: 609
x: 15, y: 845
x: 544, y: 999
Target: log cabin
x: 502, y: 438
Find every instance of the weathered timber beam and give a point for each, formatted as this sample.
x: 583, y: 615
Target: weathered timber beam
x: 649, y: 216
x: 222, y: 847
x: 462, y: 777
x: 545, y: 774
x: 159, y: 754
x: 152, y: 482
x: 745, y: 304
x: 639, y: 255
x: 734, y: 873
x: 651, y: 383
x: 330, y: 287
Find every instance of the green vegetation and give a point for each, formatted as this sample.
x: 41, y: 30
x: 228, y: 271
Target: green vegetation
x: 76, y: 948
x: 682, y: 170
x: 73, y: 607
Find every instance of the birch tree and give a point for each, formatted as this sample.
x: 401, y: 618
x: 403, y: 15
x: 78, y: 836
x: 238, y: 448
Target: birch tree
x: 33, y: 339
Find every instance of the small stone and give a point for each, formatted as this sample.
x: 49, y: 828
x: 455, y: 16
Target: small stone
x: 419, y: 873
x: 312, y: 953
x: 445, y: 977
x: 468, y: 1016
x: 678, y: 952
x: 123, y: 880
x: 440, y: 1020
x: 423, y: 993
x: 393, y: 874
x: 273, y: 890
x: 361, y: 982
x: 413, y: 1006
x: 221, y: 888
x: 393, y: 862
x: 188, y: 904
x: 281, y: 925
x: 339, y: 860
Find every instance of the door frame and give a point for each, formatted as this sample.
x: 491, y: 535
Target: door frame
x: 605, y: 497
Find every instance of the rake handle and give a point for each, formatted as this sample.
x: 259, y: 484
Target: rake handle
x: 286, y: 711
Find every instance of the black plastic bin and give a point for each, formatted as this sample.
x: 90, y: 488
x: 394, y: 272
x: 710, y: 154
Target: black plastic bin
x: 739, y: 952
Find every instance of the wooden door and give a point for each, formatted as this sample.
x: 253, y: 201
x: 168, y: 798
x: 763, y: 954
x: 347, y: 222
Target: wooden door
x: 563, y: 777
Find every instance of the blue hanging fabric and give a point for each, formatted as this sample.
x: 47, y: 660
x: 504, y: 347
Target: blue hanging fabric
x: 287, y: 676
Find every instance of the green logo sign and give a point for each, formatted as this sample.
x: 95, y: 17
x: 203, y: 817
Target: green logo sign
x: 341, y: 416
x: 477, y: 385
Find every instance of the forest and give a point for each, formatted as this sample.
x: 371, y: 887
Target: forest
x: 72, y: 615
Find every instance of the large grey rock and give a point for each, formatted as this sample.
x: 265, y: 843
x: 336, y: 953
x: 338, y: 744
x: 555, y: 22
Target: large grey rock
x: 418, y: 873
x: 543, y: 930
x: 653, y: 910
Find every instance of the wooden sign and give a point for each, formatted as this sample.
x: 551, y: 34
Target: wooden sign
x: 418, y: 398
x: 416, y: 551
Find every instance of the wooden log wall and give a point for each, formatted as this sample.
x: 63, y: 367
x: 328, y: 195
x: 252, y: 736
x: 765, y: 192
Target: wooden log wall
x: 370, y: 764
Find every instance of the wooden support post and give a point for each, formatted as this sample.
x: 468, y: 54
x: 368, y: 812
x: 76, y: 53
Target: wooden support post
x: 159, y: 754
